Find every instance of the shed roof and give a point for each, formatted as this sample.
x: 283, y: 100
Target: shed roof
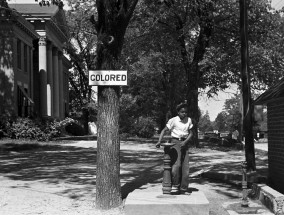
x: 274, y: 92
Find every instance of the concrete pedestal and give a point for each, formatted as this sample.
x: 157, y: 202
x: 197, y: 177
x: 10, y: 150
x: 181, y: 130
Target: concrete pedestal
x: 143, y: 202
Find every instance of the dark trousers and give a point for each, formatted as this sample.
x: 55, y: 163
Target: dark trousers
x: 180, y: 165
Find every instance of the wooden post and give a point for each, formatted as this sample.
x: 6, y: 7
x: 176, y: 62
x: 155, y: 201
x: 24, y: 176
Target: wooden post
x: 246, y: 94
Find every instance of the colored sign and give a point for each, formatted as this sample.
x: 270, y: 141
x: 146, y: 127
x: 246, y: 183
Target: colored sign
x: 107, y: 77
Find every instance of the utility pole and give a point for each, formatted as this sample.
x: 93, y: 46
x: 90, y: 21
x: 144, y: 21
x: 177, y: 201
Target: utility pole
x: 246, y: 94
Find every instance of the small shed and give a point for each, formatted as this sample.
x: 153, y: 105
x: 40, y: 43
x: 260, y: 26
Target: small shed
x: 273, y: 98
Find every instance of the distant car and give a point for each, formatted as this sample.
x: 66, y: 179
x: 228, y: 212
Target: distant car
x: 211, y: 136
x: 224, y: 134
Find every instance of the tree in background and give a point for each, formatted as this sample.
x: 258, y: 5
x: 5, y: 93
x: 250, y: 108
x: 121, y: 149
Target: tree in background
x: 220, y: 123
x: 232, y: 107
x: 203, y: 39
x: 155, y: 86
x: 204, y: 123
x: 82, y: 53
x: 230, y: 118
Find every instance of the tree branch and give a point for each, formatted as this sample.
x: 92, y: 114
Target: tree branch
x: 131, y: 9
x: 94, y: 22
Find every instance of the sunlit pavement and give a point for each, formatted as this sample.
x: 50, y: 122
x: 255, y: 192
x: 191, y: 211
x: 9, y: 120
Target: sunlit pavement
x: 64, y: 173
x: 260, y: 145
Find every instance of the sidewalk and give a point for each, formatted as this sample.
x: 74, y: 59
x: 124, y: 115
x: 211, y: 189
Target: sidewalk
x: 221, y: 164
x: 227, y: 165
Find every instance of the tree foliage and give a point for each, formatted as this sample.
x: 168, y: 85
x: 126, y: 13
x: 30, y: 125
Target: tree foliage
x: 82, y: 53
x: 220, y: 123
x: 204, y: 123
x: 233, y: 109
x: 199, y: 41
x: 230, y: 118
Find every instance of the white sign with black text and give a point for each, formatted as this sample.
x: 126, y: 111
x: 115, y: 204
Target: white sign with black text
x: 107, y: 77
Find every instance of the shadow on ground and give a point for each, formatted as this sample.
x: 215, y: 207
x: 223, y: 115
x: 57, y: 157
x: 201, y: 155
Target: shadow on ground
x: 75, y: 167
x: 226, y: 160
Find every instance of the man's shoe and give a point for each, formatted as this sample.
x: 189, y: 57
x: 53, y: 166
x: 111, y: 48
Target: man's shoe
x: 175, y: 191
x: 184, y: 192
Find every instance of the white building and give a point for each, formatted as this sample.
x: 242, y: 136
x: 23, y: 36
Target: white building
x: 33, y: 69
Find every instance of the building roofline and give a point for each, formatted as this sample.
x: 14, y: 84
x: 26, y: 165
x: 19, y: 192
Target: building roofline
x: 274, y: 92
x: 15, y: 17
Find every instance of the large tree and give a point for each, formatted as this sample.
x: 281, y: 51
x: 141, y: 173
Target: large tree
x: 233, y: 109
x: 110, y: 23
x: 203, y: 37
x: 220, y: 122
x: 156, y: 86
x: 204, y: 123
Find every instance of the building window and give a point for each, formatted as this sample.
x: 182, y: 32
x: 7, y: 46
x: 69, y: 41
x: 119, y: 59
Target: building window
x: 24, y: 102
x: 20, y: 101
x: 19, y: 53
x: 25, y: 58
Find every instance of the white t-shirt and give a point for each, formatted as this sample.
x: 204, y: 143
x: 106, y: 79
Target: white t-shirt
x: 179, y: 128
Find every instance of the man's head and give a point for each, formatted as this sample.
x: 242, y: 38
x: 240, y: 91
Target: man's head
x: 182, y: 110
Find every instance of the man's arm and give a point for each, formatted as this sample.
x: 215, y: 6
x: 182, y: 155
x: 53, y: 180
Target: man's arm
x: 161, y: 137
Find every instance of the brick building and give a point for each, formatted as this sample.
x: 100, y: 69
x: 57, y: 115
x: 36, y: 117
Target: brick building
x: 33, y: 68
x: 273, y: 98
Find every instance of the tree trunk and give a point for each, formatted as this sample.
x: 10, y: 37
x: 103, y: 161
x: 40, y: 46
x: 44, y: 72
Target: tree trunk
x: 246, y: 94
x: 85, y: 118
x: 111, y: 24
x: 108, y: 193
x: 204, y: 12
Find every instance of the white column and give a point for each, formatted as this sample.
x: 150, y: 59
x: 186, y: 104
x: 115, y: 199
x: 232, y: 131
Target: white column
x: 49, y: 81
x: 61, y: 84
x: 43, y: 75
x: 55, y: 83
x: 31, y: 76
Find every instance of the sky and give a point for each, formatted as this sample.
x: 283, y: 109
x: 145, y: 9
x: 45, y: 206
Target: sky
x: 277, y: 4
x: 215, y: 104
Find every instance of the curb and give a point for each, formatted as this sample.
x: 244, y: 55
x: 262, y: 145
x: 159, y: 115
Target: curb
x: 235, y: 179
x: 86, y: 137
x: 229, y: 178
x: 271, y: 198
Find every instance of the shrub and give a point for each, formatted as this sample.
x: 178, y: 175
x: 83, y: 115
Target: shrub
x: 24, y: 128
x: 4, y: 125
x: 41, y: 130
x: 144, y: 127
x: 51, y: 129
x: 71, y: 126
